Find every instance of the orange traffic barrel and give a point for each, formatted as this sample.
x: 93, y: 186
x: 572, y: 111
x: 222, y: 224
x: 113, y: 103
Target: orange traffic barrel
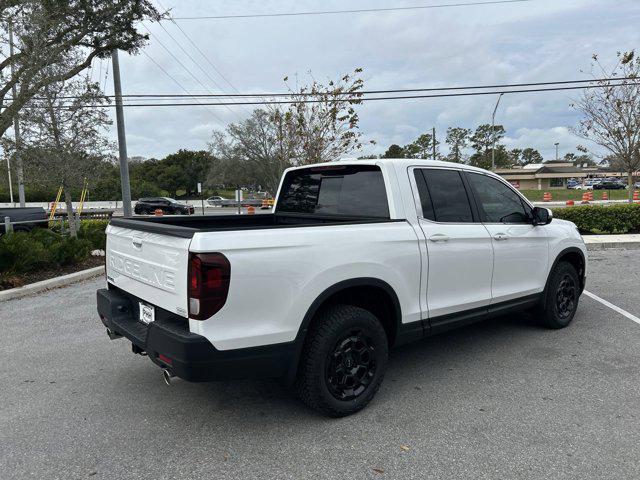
x: 251, y: 210
x: 605, y: 195
x: 158, y: 212
x: 546, y: 197
x: 585, y: 198
x: 636, y: 196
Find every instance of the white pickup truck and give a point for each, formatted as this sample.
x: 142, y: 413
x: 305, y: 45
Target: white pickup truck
x: 356, y: 257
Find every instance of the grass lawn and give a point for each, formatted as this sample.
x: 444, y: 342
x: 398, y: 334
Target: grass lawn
x: 566, y: 194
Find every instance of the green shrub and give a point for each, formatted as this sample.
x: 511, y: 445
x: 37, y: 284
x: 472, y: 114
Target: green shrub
x: 620, y: 218
x: 69, y: 250
x: 20, y: 253
x: 94, y: 231
x: 24, y: 252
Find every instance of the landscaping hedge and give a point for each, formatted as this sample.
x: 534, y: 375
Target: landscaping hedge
x: 25, y: 252
x: 620, y: 218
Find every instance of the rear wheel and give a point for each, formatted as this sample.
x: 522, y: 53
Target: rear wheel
x: 563, y: 291
x: 343, y: 361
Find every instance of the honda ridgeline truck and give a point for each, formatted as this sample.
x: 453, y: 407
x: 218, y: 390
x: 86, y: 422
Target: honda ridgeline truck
x: 356, y: 257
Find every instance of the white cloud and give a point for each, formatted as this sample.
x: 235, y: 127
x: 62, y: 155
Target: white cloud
x: 534, y: 41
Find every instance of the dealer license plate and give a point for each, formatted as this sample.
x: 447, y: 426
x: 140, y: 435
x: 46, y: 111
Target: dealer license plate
x: 147, y: 313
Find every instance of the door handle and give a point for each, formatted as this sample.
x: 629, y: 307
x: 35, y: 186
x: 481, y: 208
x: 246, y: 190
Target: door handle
x: 439, y: 237
x: 501, y: 236
x: 137, y: 242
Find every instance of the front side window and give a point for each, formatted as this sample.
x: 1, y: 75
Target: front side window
x: 447, y: 195
x: 498, y: 203
x: 350, y: 190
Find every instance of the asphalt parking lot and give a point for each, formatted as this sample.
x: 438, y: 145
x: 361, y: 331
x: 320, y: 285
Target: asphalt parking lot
x: 501, y: 399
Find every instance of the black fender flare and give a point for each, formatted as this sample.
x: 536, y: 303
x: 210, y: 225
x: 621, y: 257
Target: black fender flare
x: 555, y: 263
x: 325, y: 295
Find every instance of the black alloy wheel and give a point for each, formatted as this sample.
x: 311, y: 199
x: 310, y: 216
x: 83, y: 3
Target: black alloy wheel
x: 566, y: 296
x: 351, y: 366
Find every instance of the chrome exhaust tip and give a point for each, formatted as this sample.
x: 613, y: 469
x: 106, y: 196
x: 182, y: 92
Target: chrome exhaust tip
x: 113, y: 335
x: 167, y: 376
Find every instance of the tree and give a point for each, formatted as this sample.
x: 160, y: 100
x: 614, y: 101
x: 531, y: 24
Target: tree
x: 482, y: 142
x: 65, y: 139
x: 321, y: 124
x: 531, y: 155
x: 483, y: 160
x: 458, y: 140
x: 46, y: 32
x: 394, y: 151
x: 515, y: 157
x: 611, y: 112
x: 253, y: 152
x: 421, y: 147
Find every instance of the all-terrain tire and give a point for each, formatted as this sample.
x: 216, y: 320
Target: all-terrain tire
x: 343, y: 361
x: 562, y: 294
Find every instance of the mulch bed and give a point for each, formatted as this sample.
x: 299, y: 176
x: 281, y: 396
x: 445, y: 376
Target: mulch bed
x: 32, y: 277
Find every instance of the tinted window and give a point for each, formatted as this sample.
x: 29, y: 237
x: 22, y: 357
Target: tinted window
x: 498, y: 203
x: 356, y: 190
x: 448, y: 196
x: 425, y: 198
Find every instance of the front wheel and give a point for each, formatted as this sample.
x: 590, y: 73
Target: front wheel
x: 343, y: 361
x: 563, y: 291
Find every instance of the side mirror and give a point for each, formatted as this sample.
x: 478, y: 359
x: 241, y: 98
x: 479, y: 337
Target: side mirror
x: 542, y: 216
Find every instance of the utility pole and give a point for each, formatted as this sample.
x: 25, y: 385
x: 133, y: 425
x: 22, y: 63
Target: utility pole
x: 122, y: 140
x: 433, y: 143
x: 10, y: 186
x: 16, y: 127
x: 493, y: 134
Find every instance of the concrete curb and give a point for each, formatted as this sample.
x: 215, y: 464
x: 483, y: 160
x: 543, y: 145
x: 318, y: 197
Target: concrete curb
x: 609, y: 245
x: 50, y: 283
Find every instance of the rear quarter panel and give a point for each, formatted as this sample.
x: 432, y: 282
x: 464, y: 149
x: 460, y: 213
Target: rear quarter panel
x: 276, y: 274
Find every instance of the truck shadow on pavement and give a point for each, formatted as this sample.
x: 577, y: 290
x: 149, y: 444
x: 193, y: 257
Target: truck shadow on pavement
x: 474, y: 353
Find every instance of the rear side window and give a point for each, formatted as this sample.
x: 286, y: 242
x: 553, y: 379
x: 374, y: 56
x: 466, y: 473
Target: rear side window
x: 350, y: 190
x: 447, y: 195
x: 498, y: 203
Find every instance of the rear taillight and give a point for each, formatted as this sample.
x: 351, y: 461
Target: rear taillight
x: 209, y: 275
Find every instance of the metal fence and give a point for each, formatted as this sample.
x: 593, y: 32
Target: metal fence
x: 59, y: 219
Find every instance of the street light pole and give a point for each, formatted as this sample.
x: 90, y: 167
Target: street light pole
x: 122, y: 139
x: 556, y: 144
x: 493, y: 134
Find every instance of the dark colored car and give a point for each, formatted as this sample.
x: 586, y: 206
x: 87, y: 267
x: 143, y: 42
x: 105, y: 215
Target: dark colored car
x: 609, y: 184
x: 169, y: 206
x: 34, y: 217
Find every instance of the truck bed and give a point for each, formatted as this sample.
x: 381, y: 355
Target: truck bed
x: 187, y: 226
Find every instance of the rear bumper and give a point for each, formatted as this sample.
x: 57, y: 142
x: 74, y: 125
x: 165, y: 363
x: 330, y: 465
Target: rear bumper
x: 169, y: 344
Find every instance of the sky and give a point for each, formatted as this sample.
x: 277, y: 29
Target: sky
x: 534, y: 41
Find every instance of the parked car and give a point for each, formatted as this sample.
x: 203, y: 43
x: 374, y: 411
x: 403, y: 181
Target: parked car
x: 609, y: 184
x: 357, y: 257
x: 573, y: 184
x: 33, y: 216
x: 169, y: 206
x: 590, y: 183
x: 636, y: 185
x: 218, y: 201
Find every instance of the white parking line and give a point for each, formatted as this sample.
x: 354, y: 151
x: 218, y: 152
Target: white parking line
x: 612, y: 306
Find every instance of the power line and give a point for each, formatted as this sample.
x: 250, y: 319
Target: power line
x: 179, y: 85
x: 375, y: 92
x: 359, y: 99
x: 199, y: 50
x: 360, y: 10
x: 179, y: 62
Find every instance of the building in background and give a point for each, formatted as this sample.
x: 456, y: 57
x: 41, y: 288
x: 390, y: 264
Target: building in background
x: 552, y: 175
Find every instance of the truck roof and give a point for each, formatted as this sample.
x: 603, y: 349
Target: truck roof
x: 402, y: 162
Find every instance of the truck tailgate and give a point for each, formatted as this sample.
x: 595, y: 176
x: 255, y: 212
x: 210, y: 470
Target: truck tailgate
x: 150, y: 266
